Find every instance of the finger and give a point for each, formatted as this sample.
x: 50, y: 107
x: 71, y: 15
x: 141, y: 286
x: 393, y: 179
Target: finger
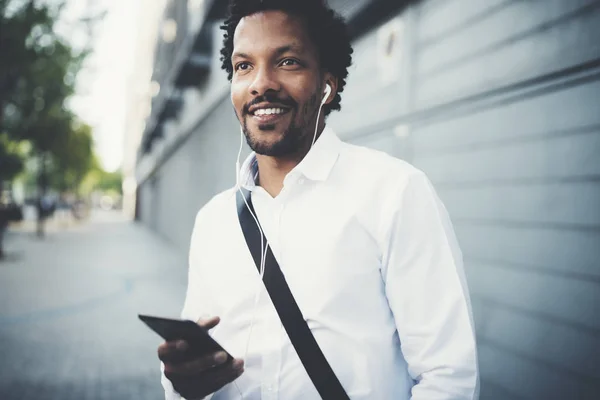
x: 173, y: 351
x: 209, y: 323
x: 238, y: 364
x: 208, y: 382
x: 196, y: 366
x: 222, y: 379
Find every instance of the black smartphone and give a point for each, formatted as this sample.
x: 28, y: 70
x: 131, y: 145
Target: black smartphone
x: 200, y: 342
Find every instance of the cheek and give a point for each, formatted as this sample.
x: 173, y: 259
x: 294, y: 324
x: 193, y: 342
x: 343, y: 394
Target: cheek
x: 238, y: 97
x: 303, y: 90
x: 309, y: 107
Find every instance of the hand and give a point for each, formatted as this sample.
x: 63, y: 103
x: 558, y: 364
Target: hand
x: 196, y: 377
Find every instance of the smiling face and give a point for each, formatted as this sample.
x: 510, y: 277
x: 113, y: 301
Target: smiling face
x: 277, y: 85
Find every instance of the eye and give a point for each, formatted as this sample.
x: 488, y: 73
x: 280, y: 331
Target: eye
x: 242, y: 66
x: 289, y: 62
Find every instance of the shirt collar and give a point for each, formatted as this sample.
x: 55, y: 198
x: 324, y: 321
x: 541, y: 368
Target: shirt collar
x: 316, y: 165
x: 249, y: 172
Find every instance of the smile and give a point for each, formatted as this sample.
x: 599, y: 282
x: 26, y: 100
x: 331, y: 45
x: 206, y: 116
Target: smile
x: 268, y: 114
x: 269, y: 111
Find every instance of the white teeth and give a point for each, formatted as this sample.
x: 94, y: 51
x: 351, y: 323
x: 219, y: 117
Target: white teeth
x: 269, y: 111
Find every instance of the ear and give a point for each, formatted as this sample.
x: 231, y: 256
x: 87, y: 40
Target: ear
x: 333, y: 82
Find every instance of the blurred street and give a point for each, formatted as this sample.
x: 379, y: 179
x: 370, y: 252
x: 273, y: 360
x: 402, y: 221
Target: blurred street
x: 69, y: 305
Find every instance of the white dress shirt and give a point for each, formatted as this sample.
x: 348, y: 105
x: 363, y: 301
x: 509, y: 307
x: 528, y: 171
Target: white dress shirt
x: 368, y: 252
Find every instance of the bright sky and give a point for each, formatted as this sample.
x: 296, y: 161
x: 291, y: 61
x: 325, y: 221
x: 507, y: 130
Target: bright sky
x: 102, y: 87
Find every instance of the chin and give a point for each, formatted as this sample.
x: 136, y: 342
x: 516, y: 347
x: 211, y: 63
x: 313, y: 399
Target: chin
x: 272, y: 140
x: 266, y: 134
x: 266, y: 147
x: 272, y: 148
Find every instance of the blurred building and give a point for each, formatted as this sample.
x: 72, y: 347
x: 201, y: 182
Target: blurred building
x: 141, y: 91
x: 497, y: 101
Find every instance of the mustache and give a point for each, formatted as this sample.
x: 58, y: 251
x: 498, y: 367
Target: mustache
x: 270, y: 98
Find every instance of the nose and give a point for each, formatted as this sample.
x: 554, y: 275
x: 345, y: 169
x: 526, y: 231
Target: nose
x: 264, y: 80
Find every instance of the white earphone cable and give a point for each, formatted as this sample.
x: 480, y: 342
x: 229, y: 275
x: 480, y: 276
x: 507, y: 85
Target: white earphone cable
x: 263, y: 245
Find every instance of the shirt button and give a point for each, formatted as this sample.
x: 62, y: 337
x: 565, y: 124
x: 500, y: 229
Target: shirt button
x: 301, y: 181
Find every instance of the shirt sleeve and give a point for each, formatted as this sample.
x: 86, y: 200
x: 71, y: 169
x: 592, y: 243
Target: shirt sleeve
x: 197, y: 302
x: 427, y: 292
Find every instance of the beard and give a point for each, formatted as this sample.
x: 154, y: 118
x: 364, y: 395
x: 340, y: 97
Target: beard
x: 294, y: 140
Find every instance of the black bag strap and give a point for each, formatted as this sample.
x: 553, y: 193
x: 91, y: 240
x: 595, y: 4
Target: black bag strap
x: 309, y: 352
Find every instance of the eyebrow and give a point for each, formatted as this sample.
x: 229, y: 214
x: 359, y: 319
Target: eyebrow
x: 279, y: 51
x: 285, y: 49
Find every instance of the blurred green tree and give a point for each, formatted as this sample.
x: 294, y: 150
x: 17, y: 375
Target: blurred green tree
x: 24, y: 28
x: 72, y: 159
x: 36, y: 81
x: 11, y: 159
x: 11, y: 163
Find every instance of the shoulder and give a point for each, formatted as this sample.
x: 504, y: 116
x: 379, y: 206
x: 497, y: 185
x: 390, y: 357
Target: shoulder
x: 215, y: 209
x: 377, y: 168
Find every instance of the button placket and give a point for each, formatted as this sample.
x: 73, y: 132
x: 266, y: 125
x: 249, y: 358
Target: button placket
x: 271, y: 360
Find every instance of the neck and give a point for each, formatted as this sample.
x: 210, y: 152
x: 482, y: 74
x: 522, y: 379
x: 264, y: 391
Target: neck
x: 273, y: 170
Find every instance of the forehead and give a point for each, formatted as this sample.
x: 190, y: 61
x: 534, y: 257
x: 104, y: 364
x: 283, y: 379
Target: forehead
x: 269, y: 30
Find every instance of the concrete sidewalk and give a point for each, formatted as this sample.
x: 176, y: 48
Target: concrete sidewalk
x: 68, y: 311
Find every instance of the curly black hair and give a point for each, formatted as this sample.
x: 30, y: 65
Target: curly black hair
x: 325, y: 28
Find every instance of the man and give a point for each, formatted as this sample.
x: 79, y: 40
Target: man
x: 363, y: 241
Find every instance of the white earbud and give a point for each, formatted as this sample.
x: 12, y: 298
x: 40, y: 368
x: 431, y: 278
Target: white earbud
x: 326, y: 93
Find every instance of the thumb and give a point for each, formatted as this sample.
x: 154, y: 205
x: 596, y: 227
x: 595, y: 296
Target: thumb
x: 209, y: 323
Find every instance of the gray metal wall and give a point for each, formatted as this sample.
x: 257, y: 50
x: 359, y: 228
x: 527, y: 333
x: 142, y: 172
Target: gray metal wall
x: 498, y: 102
x: 516, y: 161
x: 202, y: 167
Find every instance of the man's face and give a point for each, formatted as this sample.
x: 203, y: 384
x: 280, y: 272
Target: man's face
x: 277, y: 86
